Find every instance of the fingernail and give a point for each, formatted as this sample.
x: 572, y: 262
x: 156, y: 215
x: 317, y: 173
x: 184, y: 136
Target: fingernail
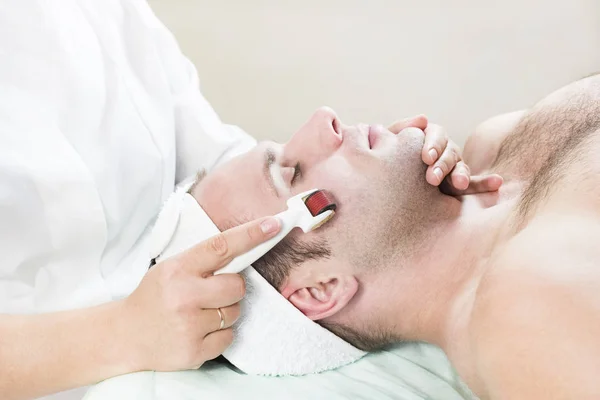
x: 269, y: 225
x: 437, y: 171
x: 433, y: 154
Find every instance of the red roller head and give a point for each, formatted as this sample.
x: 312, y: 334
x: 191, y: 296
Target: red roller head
x: 319, y: 202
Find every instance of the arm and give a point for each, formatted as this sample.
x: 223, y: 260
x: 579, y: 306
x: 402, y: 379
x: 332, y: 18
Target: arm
x: 47, y: 353
x: 202, y: 140
x: 483, y: 145
x: 168, y: 323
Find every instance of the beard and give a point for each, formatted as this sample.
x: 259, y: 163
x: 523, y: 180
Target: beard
x: 390, y: 215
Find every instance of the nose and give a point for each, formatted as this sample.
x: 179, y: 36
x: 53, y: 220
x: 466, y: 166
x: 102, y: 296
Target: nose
x: 317, y: 139
x: 328, y: 127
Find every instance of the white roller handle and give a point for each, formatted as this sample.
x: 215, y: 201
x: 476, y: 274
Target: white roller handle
x: 243, y: 261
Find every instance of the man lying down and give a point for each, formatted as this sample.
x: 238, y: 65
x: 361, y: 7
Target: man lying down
x: 505, y: 282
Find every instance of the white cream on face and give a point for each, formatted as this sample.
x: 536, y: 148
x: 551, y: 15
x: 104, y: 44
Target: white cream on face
x: 280, y: 184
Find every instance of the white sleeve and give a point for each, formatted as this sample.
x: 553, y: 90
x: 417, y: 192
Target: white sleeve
x: 202, y: 140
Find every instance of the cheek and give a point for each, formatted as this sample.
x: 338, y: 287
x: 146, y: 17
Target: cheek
x: 335, y: 175
x: 350, y: 187
x: 362, y: 199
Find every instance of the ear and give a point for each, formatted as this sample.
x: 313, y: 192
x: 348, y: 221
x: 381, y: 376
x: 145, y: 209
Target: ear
x: 325, y: 298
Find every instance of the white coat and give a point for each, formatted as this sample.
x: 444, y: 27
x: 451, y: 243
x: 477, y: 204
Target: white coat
x: 100, y: 116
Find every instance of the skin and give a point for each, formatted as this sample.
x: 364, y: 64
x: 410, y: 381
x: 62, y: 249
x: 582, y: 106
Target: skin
x: 349, y: 164
x: 482, y: 146
x: 345, y: 161
x: 498, y: 300
x: 339, y: 158
x: 174, y: 304
x: 539, y: 297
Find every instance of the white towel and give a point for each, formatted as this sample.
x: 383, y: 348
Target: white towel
x: 272, y: 337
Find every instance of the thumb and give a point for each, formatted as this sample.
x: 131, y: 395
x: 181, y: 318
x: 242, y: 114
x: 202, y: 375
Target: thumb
x: 418, y: 121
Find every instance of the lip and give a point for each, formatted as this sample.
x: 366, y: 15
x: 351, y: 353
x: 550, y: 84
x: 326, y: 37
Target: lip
x: 374, y: 134
x: 358, y: 137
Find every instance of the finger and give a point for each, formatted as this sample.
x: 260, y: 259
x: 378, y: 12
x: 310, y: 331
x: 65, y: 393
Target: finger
x: 443, y: 166
x: 230, y: 315
x: 215, y: 252
x: 220, y: 290
x: 418, y: 121
x: 215, y: 343
x: 460, y: 176
x: 484, y: 184
x: 477, y: 184
x: 436, y: 141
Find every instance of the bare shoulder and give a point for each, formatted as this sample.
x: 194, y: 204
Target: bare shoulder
x: 482, y: 146
x: 536, y: 321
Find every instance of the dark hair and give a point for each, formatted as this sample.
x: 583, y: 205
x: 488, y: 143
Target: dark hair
x: 366, y: 340
x: 276, y: 265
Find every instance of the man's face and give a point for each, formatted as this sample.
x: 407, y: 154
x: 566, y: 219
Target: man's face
x: 378, y: 181
x: 376, y: 177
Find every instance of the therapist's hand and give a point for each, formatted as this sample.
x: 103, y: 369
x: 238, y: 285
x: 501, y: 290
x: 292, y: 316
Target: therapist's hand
x: 444, y: 158
x: 171, y: 318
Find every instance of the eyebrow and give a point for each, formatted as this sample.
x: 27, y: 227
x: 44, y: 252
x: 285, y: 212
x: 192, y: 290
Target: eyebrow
x: 269, y: 159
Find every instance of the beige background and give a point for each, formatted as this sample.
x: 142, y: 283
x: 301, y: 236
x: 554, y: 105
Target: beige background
x: 265, y: 65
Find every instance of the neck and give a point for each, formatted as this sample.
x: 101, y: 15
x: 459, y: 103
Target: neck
x: 436, y: 291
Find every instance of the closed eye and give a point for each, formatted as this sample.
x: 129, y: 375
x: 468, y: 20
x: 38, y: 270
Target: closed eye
x: 287, y: 174
x: 297, y: 174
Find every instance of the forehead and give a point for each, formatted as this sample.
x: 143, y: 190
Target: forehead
x: 238, y: 191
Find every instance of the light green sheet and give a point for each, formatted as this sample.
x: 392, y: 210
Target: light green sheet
x: 408, y: 371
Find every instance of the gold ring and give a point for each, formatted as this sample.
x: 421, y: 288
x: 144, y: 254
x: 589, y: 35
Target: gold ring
x: 222, y: 319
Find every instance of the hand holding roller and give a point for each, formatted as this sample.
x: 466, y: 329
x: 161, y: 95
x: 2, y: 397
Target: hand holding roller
x: 308, y: 211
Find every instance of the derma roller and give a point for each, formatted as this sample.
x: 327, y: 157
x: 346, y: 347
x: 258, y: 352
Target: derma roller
x: 308, y: 211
